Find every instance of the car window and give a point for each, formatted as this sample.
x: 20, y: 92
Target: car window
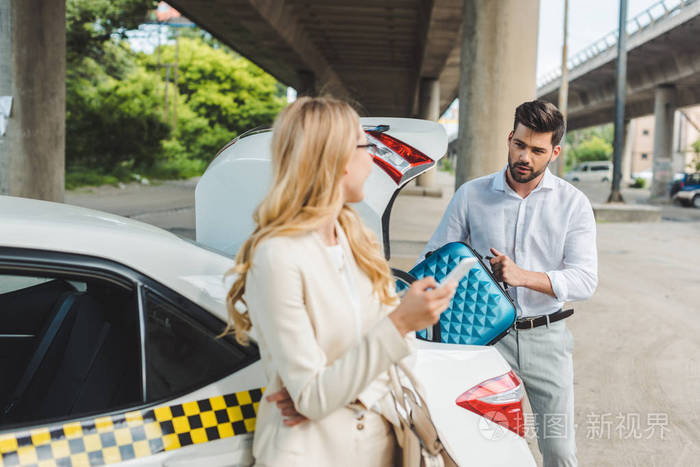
x: 68, y: 347
x: 693, y: 179
x: 599, y: 168
x: 181, y: 353
x: 12, y: 283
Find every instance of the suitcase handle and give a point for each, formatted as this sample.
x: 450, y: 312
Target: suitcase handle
x: 403, y: 276
x: 409, y: 279
x: 489, y: 258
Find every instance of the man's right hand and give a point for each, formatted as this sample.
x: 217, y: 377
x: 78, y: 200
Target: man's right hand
x: 422, y: 304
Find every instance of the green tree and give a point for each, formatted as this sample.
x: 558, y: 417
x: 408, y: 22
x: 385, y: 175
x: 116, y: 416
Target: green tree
x: 594, y: 148
x: 229, y: 92
x: 115, y: 122
x: 589, y: 144
x: 111, y: 122
x: 89, y: 23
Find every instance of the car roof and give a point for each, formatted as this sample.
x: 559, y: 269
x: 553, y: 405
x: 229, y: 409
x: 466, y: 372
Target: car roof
x: 193, y: 271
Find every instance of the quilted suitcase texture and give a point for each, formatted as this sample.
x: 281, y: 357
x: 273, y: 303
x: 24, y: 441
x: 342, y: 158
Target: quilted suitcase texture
x: 480, y: 313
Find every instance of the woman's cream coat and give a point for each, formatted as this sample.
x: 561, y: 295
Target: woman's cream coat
x: 305, y: 326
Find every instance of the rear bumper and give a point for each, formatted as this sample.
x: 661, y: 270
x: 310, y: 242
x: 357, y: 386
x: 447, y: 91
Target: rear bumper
x: 685, y: 195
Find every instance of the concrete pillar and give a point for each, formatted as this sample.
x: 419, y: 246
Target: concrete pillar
x: 627, y: 153
x: 33, y: 71
x: 664, y: 109
x: 307, y: 86
x: 498, y: 65
x: 428, y: 109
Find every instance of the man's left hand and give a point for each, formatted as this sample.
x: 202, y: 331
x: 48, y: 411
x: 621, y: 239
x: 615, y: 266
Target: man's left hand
x: 505, y: 270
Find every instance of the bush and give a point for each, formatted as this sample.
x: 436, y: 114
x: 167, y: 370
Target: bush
x: 446, y: 165
x: 639, y: 182
x: 112, y: 121
x: 229, y: 92
x: 177, y: 167
x: 88, y: 177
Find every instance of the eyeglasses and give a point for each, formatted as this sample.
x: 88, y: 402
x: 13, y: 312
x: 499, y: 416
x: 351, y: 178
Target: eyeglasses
x: 368, y: 146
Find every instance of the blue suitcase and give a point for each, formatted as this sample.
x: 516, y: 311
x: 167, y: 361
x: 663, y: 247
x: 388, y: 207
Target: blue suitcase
x: 480, y: 313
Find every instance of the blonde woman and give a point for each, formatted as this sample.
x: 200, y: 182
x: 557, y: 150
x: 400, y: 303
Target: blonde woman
x: 320, y: 297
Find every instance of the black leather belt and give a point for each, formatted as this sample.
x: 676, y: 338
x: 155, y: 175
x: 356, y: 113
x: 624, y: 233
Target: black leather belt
x: 536, y: 321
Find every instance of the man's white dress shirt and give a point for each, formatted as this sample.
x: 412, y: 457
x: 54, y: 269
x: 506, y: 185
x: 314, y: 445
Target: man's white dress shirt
x: 552, y: 230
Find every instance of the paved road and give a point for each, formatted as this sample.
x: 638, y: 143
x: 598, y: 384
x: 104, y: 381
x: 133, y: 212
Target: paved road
x: 598, y: 192
x: 637, y: 355
x: 168, y: 205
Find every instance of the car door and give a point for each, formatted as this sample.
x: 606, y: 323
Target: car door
x: 584, y: 174
x: 103, y: 365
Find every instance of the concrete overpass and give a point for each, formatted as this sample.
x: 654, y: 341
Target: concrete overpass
x: 408, y: 58
x: 372, y: 52
x: 663, y: 53
x: 393, y: 58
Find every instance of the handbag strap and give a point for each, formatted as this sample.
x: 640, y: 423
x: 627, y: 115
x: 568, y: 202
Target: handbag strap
x: 398, y: 395
x: 417, y: 417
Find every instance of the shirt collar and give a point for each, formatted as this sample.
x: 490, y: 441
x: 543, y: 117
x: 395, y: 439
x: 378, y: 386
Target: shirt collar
x: 499, y: 181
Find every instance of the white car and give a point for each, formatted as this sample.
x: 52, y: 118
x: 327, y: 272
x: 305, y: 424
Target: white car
x: 600, y: 171
x: 109, y: 350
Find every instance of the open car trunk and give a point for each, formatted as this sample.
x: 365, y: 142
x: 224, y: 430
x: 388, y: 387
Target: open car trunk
x: 240, y: 175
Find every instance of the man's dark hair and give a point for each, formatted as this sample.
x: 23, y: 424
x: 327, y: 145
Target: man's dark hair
x: 542, y: 117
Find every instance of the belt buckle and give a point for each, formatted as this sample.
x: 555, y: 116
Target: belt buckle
x: 526, y: 320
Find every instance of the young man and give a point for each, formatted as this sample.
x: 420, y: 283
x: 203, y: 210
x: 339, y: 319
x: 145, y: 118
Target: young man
x: 541, y: 233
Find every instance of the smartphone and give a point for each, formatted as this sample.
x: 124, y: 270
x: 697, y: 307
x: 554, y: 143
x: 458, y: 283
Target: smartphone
x: 459, y: 271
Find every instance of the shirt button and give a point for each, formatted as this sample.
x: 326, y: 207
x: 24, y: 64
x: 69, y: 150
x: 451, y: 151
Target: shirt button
x: 360, y: 426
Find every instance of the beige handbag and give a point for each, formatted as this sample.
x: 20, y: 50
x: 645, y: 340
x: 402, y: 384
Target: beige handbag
x: 417, y: 435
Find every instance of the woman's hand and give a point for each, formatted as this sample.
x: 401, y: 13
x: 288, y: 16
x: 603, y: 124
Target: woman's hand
x: 420, y: 307
x: 286, y: 405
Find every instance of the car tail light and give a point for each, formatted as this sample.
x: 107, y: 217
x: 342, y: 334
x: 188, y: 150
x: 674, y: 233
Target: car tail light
x: 396, y: 158
x: 499, y: 400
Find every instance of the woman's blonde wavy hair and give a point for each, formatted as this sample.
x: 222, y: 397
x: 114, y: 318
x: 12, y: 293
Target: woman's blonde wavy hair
x: 313, y: 140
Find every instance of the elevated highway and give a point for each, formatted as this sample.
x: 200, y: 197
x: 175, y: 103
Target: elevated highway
x: 372, y: 52
x: 663, y: 60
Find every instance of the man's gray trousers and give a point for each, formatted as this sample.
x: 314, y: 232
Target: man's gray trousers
x: 542, y: 358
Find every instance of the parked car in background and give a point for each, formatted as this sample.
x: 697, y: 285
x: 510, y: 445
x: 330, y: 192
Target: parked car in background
x: 600, y: 171
x: 688, y: 190
x: 689, y: 181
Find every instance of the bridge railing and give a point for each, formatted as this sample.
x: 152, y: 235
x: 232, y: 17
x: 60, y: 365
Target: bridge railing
x: 656, y: 13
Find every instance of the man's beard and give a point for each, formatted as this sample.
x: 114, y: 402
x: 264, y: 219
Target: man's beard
x: 527, y: 177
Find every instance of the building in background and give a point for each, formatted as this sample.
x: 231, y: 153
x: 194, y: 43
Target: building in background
x: 686, y: 130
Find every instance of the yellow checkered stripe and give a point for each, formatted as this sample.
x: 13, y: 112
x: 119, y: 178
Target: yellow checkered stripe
x: 141, y: 433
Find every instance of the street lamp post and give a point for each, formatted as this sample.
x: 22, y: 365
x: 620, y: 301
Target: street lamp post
x: 564, y: 87
x: 620, y: 88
